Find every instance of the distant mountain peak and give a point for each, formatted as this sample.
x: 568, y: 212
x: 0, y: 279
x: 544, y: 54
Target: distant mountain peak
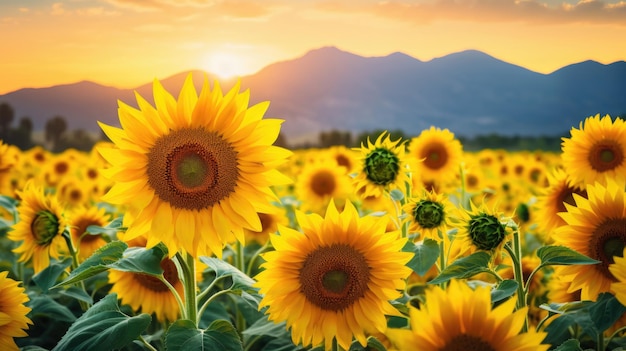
x: 469, y: 92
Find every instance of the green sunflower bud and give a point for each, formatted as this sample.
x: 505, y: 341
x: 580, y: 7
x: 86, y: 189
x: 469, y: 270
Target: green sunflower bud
x: 486, y: 231
x: 382, y: 166
x: 44, y: 227
x: 428, y: 214
x: 523, y: 213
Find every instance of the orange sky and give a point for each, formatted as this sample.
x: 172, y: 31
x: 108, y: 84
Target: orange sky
x: 125, y: 43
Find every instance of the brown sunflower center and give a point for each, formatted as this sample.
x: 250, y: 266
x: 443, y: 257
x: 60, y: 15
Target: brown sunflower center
x: 605, y: 155
x: 466, y: 342
x: 266, y: 221
x: 435, y: 156
x: 566, y: 196
x: 342, y: 160
x: 323, y: 183
x: 334, y: 277
x: 154, y: 284
x: 75, y: 196
x: 61, y: 168
x: 608, y: 241
x: 192, y: 168
x: 472, y: 181
x: 44, y: 227
x: 92, y: 174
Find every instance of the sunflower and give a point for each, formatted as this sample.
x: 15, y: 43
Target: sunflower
x: 382, y: 166
x: 146, y: 293
x: 269, y: 224
x: 13, y: 320
x: 335, y: 279
x: 81, y: 218
x: 60, y: 167
x: 595, y: 227
x: 195, y: 170
x: 482, y: 229
x: 319, y: 182
x: 40, y: 227
x: 440, y: 154
x: 429, y: 215
x: 618, y: 269
x: 596, y: 149
x: 9, y: 158
x: 344, y: 157
x: 552, y: 199
x: 460, y: 318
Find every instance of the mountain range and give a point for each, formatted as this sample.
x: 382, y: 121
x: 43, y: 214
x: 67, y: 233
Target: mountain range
x: 469, y: 92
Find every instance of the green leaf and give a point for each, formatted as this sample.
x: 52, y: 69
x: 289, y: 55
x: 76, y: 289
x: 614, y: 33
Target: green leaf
x: 465, y: 267
x: 560, y: 308
x: 592, y: 317
x: 78, y: 294
x: 426, y: 254
x: 141, y: 260
x: 561, y: 255
x: 224, y: 269
x: 220, y: 335
x: 46, y: 306
x: 606, y: 311
x: 373, y: 344
x: 396, y: 195
x: 265, y: 327
x: 569, y: 345
x: 103, y: 327
x: 504, y: 290
x: 110, y: 229
x: 9, y: 203
x: 96, y: 263
x: 46, y: 278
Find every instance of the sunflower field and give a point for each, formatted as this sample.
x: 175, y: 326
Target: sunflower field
x: 191, y: 230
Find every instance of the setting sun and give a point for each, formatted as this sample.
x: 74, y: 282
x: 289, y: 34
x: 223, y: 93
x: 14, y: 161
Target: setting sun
x: 225, y: 64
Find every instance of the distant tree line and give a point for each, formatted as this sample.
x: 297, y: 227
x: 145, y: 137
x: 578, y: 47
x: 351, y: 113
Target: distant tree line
x: 489, y: 141
x: 57, y: 136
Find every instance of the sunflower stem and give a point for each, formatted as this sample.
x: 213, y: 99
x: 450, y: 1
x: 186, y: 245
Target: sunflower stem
x: 256, y: 255
x: 463, y: 196
x: 516, y: 256
x: 75, y: 263
x: 240, y: 258
x: 146, y: 343
x: 601, y: 346
x: 442, y: 258
x: 210, y: 299
x: 181, y: 305
x: 188, y: 264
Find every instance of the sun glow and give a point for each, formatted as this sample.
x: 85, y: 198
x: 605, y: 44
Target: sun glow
x: 226, y: 64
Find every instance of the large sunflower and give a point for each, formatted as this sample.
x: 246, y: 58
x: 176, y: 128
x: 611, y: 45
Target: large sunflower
x: 40, y: 227
x: 13, y: 320
x: 460, y: 318
x: 438, y: 155
x: 595, y: 227
x: 552, y: 199
x: 195, y: 170
x: 383, y: 167
x: 596, y: 149
x: 335, y: 279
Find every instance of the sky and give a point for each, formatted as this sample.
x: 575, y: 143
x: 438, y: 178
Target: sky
x: 127, y: 43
